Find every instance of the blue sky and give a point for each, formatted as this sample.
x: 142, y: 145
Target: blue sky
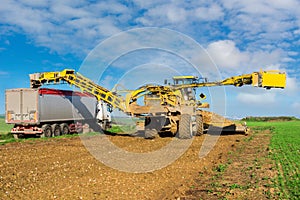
x: 240, y: 37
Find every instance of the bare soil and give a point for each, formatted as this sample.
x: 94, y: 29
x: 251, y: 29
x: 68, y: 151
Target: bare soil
x: 248, y: 173
x: 64, y: 169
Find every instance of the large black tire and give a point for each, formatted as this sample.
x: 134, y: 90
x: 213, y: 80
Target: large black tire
x: 47, y: 131
x: 150, y: 133
x: 185, y: 127
x: 199, y: 125
x: 64, y: 129
x: 56, y: 130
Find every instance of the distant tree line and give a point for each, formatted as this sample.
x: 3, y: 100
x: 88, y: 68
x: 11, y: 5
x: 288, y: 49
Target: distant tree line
x: 266, y: 119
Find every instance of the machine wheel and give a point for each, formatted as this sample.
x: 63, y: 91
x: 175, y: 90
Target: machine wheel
x: 64, y: 129
x: 56, y: 130
x: 199, y: 125
x: 103, y: 125
x: 47, y: 131
x: 16, y: 136
x: 150, y: 133
x: 185, y: 127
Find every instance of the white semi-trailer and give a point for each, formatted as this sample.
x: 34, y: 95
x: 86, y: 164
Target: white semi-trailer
x: 50, y: 112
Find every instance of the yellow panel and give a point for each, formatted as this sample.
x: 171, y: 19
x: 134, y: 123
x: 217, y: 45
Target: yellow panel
x: 255, y: 82
x: 273, y: 79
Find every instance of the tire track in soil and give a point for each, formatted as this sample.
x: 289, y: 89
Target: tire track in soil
x: 64, y: 169
x: 248, y: 174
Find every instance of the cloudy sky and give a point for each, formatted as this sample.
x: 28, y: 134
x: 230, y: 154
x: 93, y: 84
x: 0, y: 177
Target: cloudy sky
x: 239, y: 37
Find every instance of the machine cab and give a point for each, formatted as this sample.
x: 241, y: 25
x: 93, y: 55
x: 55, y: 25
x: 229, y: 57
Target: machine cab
x: 188, y: 93
x: 184, y: 80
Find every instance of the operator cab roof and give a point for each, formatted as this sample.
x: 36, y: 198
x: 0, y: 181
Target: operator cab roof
x: 182, y: 80
x: 184, y: 77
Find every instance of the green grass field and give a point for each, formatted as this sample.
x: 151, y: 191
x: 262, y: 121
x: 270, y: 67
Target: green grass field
x: 5, y: 136
x: 285, y: 151
x: 4, y: 128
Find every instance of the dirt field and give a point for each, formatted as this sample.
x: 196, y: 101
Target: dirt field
x: 64, y: 169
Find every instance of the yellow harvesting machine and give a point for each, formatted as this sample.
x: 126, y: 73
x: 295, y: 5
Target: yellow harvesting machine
x: 171, y: 108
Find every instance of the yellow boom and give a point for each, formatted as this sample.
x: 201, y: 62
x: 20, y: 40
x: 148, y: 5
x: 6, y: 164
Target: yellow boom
x: 265, y: 79
x: 83, y: 83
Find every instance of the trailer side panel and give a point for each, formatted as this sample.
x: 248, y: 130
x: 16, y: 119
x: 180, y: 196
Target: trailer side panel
x: 65, y: 106
x: 35, y: 106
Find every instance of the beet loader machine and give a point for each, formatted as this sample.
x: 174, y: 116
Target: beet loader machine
x: 171, y: 108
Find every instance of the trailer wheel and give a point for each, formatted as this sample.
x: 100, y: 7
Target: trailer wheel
x: 19, y: 136
x: 150, y: 133
x: 64, y: 129
x: 56, y: 129
x: 185, y: 127
x: 47, y: 131
x: 199, y: 125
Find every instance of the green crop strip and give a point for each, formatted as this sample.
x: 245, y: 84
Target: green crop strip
x: 285, y: 151
x: 285, y: 144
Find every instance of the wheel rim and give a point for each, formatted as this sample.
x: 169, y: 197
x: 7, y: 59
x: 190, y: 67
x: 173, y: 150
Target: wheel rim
x: 56, y: 132
x: 65, y: 130
x: 48, y: 132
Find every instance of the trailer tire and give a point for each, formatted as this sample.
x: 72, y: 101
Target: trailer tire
x: 150, y: 133
x: 64, y: 129
x: 199, y: 125
x: 47, y: 131
x: 56, y: 130
x: 185, y: 127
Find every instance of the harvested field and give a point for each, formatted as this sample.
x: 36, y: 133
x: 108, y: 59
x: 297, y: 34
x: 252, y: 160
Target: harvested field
x: 64, y: 169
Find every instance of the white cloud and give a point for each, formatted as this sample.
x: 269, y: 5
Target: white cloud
x: 262, y: 7
x: 176, y: 14
x: 262, y: 22
x: 293, y: 53
x: 35, y: 3
x: 261, y: 59
x: 62, y: 11
x: 147, y: 4
x: 75, y: 26
x: 179, y: 15
x: 297, y: 32
x: 264, y: 98
x: 63, y: 27
x: 254, y: 34
x: 291, y: 85
x: 226, y: 54
x: 209, y: 13
x: 230, y: 59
